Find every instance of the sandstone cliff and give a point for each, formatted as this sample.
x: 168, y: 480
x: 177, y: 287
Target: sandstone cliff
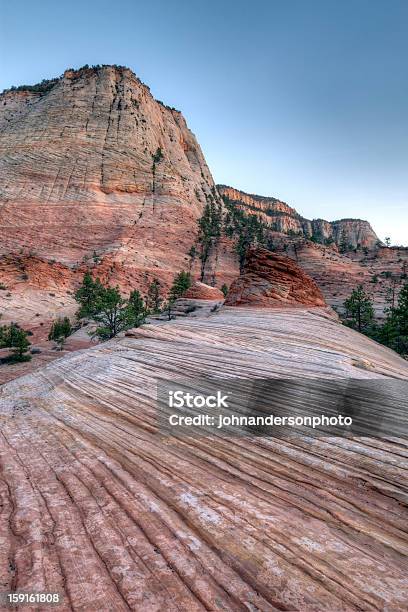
x: 282, y: 218
x: 99, y: 506
x: 97, y: 164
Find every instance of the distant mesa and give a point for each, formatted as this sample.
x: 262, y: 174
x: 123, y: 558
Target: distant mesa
x: 279, y: 217
x: 273, y: 280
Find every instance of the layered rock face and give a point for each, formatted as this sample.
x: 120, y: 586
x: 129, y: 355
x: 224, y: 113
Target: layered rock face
x: 282, y: 218
x: 381, y: 271
x: 97, y: 164
x: 273, y: 280
x: 99, y: 506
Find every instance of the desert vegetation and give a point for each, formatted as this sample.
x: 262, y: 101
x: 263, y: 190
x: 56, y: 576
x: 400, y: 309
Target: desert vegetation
x: 114, y: 313
x: 393, y: 332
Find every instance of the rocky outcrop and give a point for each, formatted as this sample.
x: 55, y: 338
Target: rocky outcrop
x: 273, y: 280
x: 100, y: 506
x: 95, y: 166
x: 201, y: 291
x: 282, y: 218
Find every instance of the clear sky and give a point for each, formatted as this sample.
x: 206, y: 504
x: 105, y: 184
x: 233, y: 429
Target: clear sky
x: 305, y: 100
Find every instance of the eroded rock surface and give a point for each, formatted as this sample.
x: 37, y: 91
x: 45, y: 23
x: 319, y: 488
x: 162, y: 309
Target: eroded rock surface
x: 381, y: 271
x: 273, y: 280
x: 201, y: 291
x: 98, y: 505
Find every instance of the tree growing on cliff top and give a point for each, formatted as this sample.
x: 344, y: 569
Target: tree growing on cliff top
x: 359, y: 310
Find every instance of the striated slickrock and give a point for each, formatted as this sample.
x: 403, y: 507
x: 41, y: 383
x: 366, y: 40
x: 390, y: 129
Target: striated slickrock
x: 269, y: 279
x: 101, y: 507
x: 282, y: 218
x: 201, y: 291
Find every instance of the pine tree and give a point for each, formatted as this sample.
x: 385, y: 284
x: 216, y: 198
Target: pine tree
x: 136, y: 309
x: 359, y: 310
x: 14, y: 337
x: 209, y: 231
x: 344, y: 245
x: 394, y: 332
x: 224, y: 289
x: 60, y: 329
x: 181, y: 283
x: 110, y: 309
x: 154, y: 299
x: 87, y: 296
x: 111, y: 312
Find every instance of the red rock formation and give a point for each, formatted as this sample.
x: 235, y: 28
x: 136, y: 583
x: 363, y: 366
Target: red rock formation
x: 273, y: 280
x: 94, y: 166
x: 201, y: 291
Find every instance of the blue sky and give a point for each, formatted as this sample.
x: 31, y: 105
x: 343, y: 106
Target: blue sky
x: 302, y: 100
